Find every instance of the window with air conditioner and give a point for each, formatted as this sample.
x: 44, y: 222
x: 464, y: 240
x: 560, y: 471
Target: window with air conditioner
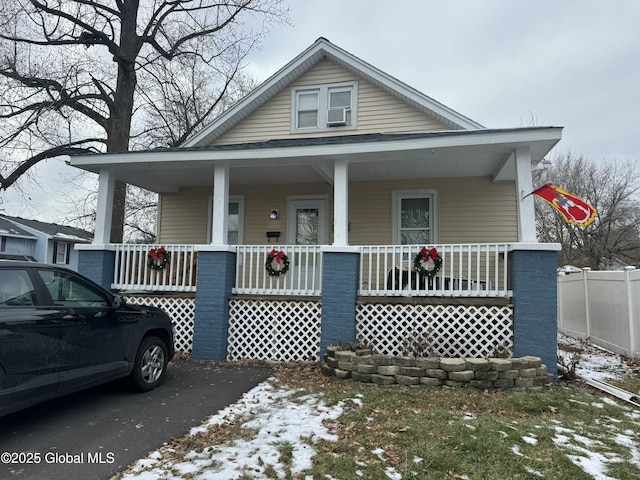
x: 324, y: 107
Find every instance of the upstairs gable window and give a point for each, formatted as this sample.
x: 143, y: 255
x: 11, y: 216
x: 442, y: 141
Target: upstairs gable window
x: 324, y: 107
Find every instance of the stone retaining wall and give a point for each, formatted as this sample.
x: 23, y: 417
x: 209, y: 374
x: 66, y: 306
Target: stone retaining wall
x: 481, y: 373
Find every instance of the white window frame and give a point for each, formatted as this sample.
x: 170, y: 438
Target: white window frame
x: 239, y: 199
x: 323, y: 106
x: 65, y: 253
x: 396, y: 203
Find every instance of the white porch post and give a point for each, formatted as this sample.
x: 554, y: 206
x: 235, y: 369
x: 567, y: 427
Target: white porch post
x: 106, y: 189
x: 341, y: 202
x: 220, y: 215
x: 524, y: 186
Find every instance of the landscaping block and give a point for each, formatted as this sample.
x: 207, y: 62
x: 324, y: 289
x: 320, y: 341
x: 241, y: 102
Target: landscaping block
x: 504, y: 383
x: 435, y: 373
x: 363, y: 368
x: 427, y: 362
x: 478, y: 364
x: 361, y: 377
x: 332, y: 362
x: 528, y: 372
x: 331, y: 351
x: 347, y: 366
x: 453, y: 364
x: 490, y: 376
x: 361, y: 359
x: 342, y: 373
x: 379, y: 360
x: 531, y: 361
x: 327, y: 370
x: 462, y: 376
x: 407, y: 380
x: 388, y: 370
x: 501, y: 364
x: 383, y: 379
x: 542, y: 380
x: 404, y: 361
x: 524, y: 382
x: 431, y: 382
x: 411, y: 371
x: 344, y: 355
x: 510, y: 374
x: 454, y: 384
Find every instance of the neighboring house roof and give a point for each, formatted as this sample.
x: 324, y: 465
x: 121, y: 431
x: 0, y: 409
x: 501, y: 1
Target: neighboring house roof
x: 51, y: 230
x: 320, y: 50
x: 10, y: 229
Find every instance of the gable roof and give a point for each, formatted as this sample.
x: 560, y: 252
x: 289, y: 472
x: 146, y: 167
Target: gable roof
x: 9, y: 229
x: 323, y: 49
x: 51, y: 230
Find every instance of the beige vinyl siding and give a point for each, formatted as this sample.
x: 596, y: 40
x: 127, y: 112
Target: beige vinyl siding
x: 471, y: 210
x: 378, y: 112
x: 182, y: 217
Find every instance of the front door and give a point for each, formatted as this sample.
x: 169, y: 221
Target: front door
x: 306, y: 226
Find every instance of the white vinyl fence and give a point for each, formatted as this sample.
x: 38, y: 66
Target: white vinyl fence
x: 602, y: 307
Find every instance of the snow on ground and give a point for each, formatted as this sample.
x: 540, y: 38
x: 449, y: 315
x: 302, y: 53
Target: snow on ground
x: 282, y: 420
x: 594, y: 362
x: 287, y: 423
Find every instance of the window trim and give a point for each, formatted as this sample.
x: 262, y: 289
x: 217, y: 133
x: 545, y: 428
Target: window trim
x: 56, y: 252
x: 239, y: 199
x: 323, y: 106
x: 398, y: 195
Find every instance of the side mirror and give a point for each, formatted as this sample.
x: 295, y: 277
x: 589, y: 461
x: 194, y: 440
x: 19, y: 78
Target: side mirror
x: 117, y: 301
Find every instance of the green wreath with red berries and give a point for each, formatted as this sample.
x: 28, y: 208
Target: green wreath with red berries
x: 281, y: 260
x: 158, y: 258
x: 430, y: 258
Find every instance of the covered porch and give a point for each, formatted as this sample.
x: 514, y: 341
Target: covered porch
x: 338, y: 278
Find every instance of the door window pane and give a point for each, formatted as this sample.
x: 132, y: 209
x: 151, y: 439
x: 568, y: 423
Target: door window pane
x: 307, y: 226
x: 16, y: 289
x: 415, y: 221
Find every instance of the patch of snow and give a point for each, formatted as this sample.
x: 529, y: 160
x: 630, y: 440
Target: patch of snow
x: 530, y: 440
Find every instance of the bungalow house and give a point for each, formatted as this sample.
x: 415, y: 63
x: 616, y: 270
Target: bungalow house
x: 24, y: 239
x: 335, y: 203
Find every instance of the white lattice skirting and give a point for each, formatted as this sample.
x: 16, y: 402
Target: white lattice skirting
x: 450, y: 330
x: 281, y: 330
x: 180, y: 309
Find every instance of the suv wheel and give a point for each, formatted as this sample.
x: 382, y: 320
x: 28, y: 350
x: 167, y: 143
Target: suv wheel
x: 151, y: 364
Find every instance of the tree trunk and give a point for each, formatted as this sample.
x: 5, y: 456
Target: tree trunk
x: 119, y: 124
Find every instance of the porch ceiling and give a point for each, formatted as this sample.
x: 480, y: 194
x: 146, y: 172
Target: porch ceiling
x: 486, y: 153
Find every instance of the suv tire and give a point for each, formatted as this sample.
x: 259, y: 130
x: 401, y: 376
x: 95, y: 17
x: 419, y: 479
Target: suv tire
x: 150, y: 365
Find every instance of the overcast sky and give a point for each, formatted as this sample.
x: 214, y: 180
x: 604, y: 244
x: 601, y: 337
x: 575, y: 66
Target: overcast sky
x: 503, y: 63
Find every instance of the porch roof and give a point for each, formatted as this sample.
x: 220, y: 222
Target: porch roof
x: 485, y: 152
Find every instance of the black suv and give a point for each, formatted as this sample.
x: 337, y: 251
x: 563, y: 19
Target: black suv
x: 60, y: 333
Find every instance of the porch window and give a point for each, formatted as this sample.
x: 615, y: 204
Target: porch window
x: 324, y: 107
x: 414, y: 217
x: 61, y: 253
x: 235, y: 220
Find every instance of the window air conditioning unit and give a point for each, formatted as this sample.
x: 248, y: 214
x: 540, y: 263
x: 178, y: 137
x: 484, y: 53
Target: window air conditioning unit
x: 336, y: 117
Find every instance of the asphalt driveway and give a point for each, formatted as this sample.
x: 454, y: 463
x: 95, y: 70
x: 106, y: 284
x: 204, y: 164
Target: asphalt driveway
x: 99, y: 432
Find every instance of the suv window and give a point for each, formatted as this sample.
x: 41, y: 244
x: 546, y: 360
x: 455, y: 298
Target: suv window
x: 71, y: 291
x: 16, y: 289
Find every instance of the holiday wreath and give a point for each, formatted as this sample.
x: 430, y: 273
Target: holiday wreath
x: 427, y: 262
x: 157, y: 258
x: 282, y: 263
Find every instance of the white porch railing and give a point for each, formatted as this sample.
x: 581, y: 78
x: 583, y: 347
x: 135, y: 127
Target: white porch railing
x: 303, y: 278
x: 468, y: 270
x: 133, y: 273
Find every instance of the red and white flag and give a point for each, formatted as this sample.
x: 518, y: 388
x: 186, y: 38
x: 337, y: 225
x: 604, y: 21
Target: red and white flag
x: 573, y: 209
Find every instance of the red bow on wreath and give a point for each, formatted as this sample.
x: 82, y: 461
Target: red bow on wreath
x: 277, y: 255
x: 157, y: 254
x: 427, y: 254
